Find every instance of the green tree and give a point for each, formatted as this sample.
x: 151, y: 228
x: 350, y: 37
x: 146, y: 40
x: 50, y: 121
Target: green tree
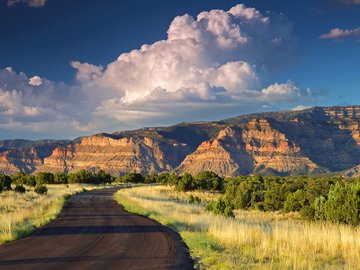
x: 319, y: 208
x: 30, y: 180
x: 5, y: 182
x: 343, y: 204
x: 19, y: 178
x: 133, y: 178
x: 41, y: 189
x: 294, y: 201
x: 274, y: 196
x: 60, y: 178
x: 208, y: 180
x: 103, y: 177
x: 20, y: 189
x: 151, y: 178
x: 81, y: 176
x: 186, y: 183
x: 221, y: 207
x: 44, y: 178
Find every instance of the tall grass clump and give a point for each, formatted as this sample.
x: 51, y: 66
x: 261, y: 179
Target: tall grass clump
x: 251, y: 240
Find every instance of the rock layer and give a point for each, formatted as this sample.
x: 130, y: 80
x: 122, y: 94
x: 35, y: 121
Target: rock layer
x: 256, y: 147
x: 116, y: 155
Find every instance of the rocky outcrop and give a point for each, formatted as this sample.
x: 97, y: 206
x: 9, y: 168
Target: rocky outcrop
x: 255, y: 148
x: 24, y: 156
x: 298, y: 142
x: 13, y: 161
x: 117, y: 155
x: 225, y: 155
x: 353, y: 172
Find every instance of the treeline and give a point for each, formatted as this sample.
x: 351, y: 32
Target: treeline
x: 333, y: 199
x: 41, y: 179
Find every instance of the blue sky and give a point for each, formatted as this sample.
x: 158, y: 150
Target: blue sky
x: 93, y: 94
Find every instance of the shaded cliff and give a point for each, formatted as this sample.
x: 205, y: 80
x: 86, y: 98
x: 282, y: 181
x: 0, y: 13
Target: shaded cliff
x: 24, y: 155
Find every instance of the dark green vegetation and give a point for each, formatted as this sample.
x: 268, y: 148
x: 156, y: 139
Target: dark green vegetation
x: 5, y: 182
x: 333, y: 199
x: 40, y: 180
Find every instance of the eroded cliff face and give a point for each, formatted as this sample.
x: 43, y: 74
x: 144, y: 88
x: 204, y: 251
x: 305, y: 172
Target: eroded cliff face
x: 225, y: 155
x: 309, y: 141
x: 117, y: 155
x: 254, y: 147
x: 14, y: 161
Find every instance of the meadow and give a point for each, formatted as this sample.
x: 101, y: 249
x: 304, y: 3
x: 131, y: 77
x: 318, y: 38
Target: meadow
x: 22, y: 213
x: 252, y: 240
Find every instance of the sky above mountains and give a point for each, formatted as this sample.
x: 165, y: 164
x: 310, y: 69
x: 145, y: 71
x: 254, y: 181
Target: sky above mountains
x: 72, y: 68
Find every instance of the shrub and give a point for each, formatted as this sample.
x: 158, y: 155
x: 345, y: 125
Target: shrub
x: 81, y: 176
x: 103, y: 177
x: 209, y: 181
x: 274, y: 196
x: 151, y: 178
x: 319, y: 208
x: 245, y: 192
x: 343, y: 204
x: 30, y: 180
x: 44, y: 178
x: 186, y: 183
x: 41, y: 189
x: 294, y: 201
x: 221, y: 207
x: 20, y: 189
x: 5, y: 182
x: 60, y: 178
x: 19, y: 178
x: 194, y: 199
x: 133, y: 178
x: 307, y: 212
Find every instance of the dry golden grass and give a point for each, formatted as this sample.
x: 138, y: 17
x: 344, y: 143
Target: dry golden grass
x: 21, y: 213
x: 253, y: 240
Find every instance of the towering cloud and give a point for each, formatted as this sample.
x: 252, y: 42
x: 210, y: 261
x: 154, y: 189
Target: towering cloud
x: 219, y: 59
x: 212, y: 66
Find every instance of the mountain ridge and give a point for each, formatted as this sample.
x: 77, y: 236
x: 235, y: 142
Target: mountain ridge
x: 313, y: 140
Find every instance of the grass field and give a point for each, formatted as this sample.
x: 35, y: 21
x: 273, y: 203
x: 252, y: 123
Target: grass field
x: 253, y: 240
x: 22, y: 213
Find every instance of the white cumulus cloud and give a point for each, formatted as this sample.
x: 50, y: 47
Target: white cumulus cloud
x: 215, y: 65
x: 338, y: 33
x: 35, y: 81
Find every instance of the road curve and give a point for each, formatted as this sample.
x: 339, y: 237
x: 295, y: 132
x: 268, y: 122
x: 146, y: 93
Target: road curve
x: 94, y: 232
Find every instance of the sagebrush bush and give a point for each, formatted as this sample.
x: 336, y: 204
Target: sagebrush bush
x: 20, y: 189
x: 41, y: 189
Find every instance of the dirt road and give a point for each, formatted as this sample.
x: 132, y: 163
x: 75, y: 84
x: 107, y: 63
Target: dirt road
x: 94, y: 232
